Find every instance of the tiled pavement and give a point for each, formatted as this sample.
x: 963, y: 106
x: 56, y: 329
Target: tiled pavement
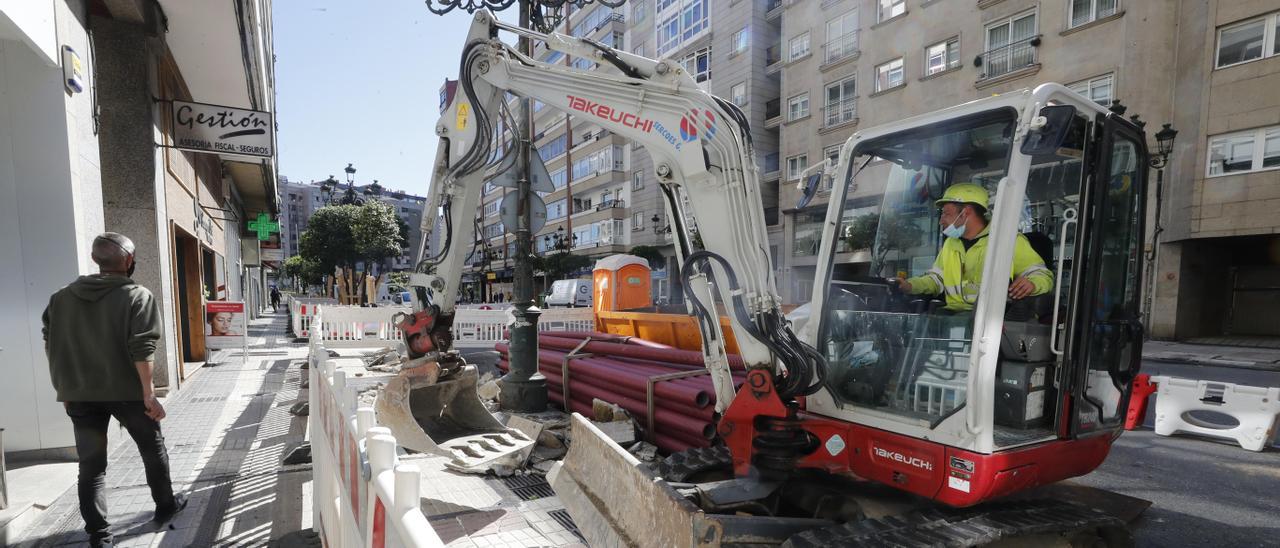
x: 227, y: 429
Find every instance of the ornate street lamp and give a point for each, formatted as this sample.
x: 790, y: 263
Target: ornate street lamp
x: 330, y: 188
x: 1158, y: 161
x: 655, y: 219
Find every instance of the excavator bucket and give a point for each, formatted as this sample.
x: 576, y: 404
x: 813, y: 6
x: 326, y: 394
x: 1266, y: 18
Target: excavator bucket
x: 446, y: 417
x: 615, y: 501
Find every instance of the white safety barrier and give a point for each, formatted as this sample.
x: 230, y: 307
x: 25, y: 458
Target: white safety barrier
x: 352, y: 326
x: 302, y: 310
x: 483, y: 328
x: 1253, y: 409
x: 363, y: 497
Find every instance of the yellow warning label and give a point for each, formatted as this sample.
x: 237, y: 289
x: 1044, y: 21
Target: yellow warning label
x: 464, y: 110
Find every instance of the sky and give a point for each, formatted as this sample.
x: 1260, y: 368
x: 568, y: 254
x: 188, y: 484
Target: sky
x: 359, y: 83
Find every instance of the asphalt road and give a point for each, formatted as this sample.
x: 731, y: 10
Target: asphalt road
x: 1204, y: 492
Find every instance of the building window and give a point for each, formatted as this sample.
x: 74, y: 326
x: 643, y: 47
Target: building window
x: 742, y: 40
x: 841, y: 102
x: 1245, y: 151
x: 942, y: 56
x: 558, y: 179
x: 1084, y: 11
x: 639, y: 50
x: 679, y: 21
x: 553, y: 148
x: 698, y: 64
x: 842, y: 37
x: 738, y: 93
x: 637, y: 180
x: 890, y: 9
x: 491, y: 208
x: 638, y: 10
x: 1248, y: 41
x: 637, y: 220
x: 1099, y: 89
x: 555, y: 210
x: 799, y: 47
x: 796, y: 165
x: 601, y: 161
x: 889, y: 75
x: 798, y: 107
x: 1009, y: 45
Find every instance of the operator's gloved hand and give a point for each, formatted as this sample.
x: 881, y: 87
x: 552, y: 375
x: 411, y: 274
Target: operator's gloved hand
x: 903, y: 285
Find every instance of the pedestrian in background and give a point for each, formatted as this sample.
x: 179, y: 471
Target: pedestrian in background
x: 275, y: 298
x: 100, y: 335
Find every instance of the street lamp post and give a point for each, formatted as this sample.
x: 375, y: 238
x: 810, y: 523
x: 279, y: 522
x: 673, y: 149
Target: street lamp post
x: 1159, y: 160
x: 330, y: 188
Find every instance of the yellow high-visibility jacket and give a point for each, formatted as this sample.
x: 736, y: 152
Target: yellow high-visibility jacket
x: 958, y: 272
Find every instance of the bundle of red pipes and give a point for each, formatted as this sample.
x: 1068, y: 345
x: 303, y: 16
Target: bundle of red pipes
x: 618, y: 369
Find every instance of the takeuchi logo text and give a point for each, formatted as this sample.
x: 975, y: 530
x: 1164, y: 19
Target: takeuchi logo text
x: 605, y: 112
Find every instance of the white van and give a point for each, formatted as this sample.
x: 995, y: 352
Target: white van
x: 569, y: 293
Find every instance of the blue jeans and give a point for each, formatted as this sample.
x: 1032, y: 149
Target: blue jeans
x: 90, y: 420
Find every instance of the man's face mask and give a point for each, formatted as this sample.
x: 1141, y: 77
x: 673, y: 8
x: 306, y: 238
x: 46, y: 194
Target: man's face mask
x: 956, y: 228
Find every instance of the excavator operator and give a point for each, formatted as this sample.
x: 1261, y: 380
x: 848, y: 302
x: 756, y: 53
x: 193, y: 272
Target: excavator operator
x: 957, y: 271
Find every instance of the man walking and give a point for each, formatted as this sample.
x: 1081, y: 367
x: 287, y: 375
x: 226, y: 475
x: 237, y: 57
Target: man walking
x: 100, y: 335
x: 275, y: 298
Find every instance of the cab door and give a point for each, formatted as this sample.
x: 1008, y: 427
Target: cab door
x: 1106, y: 351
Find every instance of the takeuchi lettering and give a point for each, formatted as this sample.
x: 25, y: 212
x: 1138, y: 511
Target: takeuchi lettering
x: 611, y: 114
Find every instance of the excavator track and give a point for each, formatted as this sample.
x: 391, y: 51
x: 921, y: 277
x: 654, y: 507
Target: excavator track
x: 984, y: 525
x: 681, y: 466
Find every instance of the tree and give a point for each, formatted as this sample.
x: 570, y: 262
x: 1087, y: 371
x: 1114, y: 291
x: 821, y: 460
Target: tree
x: 560, y: 265
x: 893, y: 232
x: 338, y: 237
x: 651, y: 254
x: 305, y: 272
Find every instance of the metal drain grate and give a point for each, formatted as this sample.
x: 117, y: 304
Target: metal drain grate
x: 529, y: 487
x: 562, y: 517
x: 207, y: 399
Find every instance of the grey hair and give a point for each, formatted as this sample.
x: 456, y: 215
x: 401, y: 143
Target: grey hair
x: 111, y: 249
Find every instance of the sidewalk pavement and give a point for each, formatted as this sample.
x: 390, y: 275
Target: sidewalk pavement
x: 1266, y: 359
x: 227, y: 430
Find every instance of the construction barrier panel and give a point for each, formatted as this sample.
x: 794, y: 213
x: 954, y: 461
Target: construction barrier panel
x: 1197, y: 407
x: 346, y: 326
x: 474, y: 328
x: 363, y: 497
x: 302, y: 310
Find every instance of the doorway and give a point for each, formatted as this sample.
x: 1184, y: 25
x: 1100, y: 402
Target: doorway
x: 188, y: 288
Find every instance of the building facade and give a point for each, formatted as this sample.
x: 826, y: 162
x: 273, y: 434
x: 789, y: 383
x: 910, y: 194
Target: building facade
x: 86, y: 145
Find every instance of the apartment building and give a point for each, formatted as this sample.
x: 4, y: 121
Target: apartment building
x: 1209, y: 68
x: 726, y: 46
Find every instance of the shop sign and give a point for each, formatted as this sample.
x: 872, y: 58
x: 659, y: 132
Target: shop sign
x: 217, y: 129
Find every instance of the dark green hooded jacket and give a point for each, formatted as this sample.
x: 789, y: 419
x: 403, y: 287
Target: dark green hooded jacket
x: 94, y: 331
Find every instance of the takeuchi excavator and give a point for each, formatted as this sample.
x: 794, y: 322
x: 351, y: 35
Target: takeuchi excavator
x: 883, y: 418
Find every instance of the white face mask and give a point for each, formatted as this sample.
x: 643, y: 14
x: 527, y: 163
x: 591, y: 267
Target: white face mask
x: 954, y: 230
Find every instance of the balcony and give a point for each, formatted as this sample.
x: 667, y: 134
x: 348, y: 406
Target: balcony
x: 773, y: 9
x: 773, y: 59
x: 621, y: 204
x: 842, y: 112
x: 1009, y: 59
x: 773, y: 113
x: 840, y: 48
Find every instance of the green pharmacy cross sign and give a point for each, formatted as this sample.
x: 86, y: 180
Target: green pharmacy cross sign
x: 264, y: 226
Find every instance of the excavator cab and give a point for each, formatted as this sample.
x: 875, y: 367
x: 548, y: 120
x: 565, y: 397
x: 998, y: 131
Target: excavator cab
x: 988, y: 374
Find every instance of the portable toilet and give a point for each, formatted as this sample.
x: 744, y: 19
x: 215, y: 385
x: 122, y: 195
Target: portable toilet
x: 621, y: 283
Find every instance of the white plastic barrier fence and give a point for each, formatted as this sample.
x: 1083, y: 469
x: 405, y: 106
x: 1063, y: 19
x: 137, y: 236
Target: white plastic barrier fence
x: 302, y: 310
x: 483, y: 328
x: 351, y: 326
x: 363, y: 497
x: 1253, y: 409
